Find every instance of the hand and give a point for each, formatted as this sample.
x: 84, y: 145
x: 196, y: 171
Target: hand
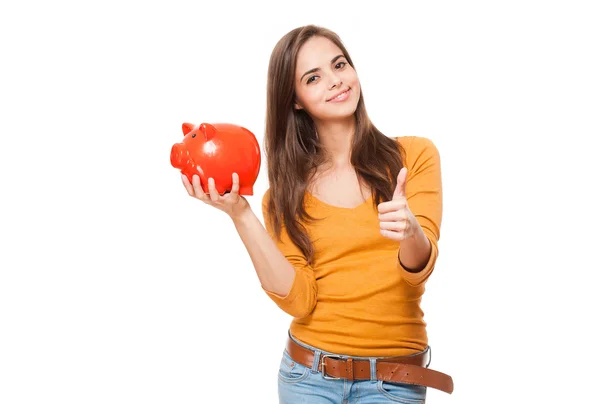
x: 231, y: 203
x: 396, y: 221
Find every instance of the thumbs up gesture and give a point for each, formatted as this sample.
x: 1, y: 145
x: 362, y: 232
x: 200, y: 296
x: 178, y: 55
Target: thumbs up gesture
x: 396, y: 221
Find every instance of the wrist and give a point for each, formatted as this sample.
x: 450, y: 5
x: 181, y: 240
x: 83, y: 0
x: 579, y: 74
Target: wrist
x: 414, y: 252
x: 243, y: 217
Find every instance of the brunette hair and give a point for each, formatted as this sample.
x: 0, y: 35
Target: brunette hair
x: 293, y: 151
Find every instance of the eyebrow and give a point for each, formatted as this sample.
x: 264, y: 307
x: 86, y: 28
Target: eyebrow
x: 317, y: 69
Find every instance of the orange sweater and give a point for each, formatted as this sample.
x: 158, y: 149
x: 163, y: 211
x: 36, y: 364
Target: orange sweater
x: 356, y: 299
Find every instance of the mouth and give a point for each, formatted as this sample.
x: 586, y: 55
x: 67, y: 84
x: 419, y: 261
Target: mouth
x: 340, y: 96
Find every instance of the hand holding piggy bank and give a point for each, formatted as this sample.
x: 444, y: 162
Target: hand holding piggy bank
x: 217, y: 151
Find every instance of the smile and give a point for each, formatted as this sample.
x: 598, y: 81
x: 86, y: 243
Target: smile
x: 341, y: 97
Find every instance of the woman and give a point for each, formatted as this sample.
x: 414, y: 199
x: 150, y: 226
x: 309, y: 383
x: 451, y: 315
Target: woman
x: 352, y: 222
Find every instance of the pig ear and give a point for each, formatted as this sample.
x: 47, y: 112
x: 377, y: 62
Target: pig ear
x: 187, y: 128
x: 208, y: 130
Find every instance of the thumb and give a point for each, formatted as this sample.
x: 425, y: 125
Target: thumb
x: 400, y: 191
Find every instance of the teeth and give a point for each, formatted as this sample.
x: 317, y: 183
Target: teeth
x: 341, y: 95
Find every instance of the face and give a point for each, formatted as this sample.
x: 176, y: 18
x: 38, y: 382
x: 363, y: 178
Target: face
x: 322, y: 73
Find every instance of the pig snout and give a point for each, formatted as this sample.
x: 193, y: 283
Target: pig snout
x: 178, y: 155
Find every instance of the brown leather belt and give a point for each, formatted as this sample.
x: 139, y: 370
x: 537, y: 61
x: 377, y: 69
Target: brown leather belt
x: 399, y: 369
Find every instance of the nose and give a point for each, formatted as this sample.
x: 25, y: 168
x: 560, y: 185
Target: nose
x: 177, y: 155
x: 335, y: 82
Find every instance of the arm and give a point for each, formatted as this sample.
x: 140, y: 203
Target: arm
x: 414, y: 252
x: 418, y: 254
x: 281, y: 267
x: 275, y: 273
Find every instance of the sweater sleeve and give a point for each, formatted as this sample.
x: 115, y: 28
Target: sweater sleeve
x: 424, y: 197
x: 302, y: 297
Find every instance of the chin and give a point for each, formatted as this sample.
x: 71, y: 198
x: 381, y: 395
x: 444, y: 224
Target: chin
x: 335, y: 117
x: 342, y: 112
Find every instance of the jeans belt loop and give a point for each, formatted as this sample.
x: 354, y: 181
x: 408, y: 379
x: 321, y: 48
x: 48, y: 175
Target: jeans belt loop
x: 316, y: 360
x: 373, y: 369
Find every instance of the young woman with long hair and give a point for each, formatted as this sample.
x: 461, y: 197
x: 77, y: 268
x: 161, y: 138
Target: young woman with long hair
x: 352, y: 220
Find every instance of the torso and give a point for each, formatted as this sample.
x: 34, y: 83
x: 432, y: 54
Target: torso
x: 340, y: 188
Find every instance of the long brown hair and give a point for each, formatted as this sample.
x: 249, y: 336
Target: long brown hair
x: 293, y: 151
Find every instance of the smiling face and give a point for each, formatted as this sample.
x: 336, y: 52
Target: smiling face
x: 326, y: 85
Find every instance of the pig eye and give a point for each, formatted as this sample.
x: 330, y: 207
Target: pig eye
x: 193, y: 135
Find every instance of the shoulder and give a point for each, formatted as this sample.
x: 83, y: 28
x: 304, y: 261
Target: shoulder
x: 416, y: 143
x: 265, y: 206
x: 417, y: 148
x: 265, y: 198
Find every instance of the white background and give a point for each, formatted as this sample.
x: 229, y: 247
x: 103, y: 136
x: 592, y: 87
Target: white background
x: 117, y: 287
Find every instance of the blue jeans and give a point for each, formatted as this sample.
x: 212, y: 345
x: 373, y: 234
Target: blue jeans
x: 300, y: 384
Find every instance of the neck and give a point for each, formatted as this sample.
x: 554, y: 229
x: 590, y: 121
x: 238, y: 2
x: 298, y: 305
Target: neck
x: 336, y: 138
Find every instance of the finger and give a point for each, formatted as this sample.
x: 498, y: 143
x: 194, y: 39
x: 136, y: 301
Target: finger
x: 399, y: 227
x: 212, y: 190
x: 393, y: 235
x: 198, y: 191
x: 391, y: 206
x: 186, y: 183
x: 394, y: 216
x: 400, y: 191
x: 235, y: 188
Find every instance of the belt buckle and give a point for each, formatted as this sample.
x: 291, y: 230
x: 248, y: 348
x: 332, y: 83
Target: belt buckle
x: 323, y: 366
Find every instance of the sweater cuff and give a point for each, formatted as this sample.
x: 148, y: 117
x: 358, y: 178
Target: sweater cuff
x: 419, y: 278
x: 300, y: 300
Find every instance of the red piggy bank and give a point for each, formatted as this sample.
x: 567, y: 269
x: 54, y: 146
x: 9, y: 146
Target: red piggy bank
x: 217, y: 151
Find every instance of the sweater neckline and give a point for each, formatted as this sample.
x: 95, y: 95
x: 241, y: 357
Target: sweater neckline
x: 341, y: 208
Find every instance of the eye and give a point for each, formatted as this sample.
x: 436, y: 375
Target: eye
x: 193, y: 135
x: 310, y: 79
x: 340, y: 63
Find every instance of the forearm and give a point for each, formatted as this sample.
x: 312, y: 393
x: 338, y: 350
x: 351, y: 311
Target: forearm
x: 274, y: 271
x: 415, y: 251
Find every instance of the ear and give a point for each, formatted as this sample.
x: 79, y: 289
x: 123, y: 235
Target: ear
x: 297, y: 106
x: 208, y: 130
x: 187, y: 128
